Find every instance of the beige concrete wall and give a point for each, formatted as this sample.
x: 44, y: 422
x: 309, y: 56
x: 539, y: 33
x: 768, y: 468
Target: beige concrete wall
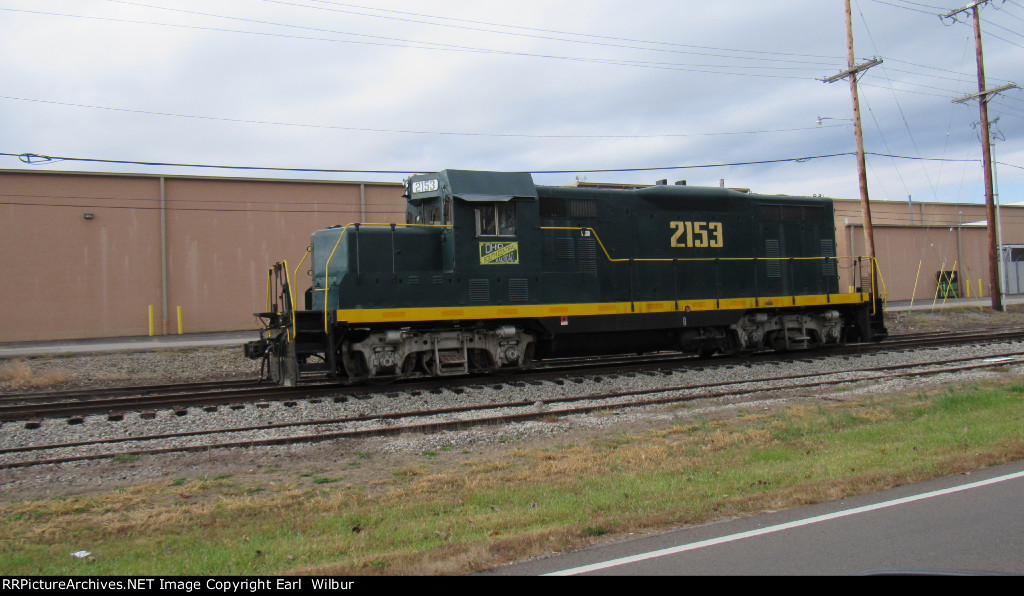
x: 65, y: 276
x: 910, y: 257
x: 942, y: 235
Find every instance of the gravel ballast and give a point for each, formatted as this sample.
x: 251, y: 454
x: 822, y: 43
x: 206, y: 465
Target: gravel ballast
x: 133, y: 368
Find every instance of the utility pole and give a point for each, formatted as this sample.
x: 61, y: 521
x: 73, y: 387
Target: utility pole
x: 994, y: 284
x: 865, y: 205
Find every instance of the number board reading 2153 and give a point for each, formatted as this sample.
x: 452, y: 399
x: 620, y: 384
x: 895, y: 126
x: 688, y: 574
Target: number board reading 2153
x: 697, y: 234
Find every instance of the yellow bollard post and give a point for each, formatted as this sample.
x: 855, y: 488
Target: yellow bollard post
x: 151, y: 320
x: 179, y: 320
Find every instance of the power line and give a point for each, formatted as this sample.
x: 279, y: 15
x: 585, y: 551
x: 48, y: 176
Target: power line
x: 397, y: 211
x: 420, y: 20
x: 401, y: 131
x: 928, y: 9
x: 385, y: 41
x: 38, y: 159
x: 19, y: 199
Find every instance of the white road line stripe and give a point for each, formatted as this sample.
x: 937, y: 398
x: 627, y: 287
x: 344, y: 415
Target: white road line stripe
x: 786, y: 526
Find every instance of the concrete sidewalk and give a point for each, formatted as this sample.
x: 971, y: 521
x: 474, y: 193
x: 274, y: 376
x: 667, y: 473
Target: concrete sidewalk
x: 120, y: 344
x: 931, y: 304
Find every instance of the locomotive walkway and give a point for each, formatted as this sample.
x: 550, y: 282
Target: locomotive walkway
x: 238, y: 338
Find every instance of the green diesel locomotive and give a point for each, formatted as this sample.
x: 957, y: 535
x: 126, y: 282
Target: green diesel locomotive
x: 492, y: 272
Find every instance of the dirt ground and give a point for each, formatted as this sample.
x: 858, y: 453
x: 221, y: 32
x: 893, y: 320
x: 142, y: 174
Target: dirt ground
x: 920, y: 321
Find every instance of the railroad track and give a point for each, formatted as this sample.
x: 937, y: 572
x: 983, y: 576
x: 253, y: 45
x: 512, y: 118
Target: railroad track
x: 453, y: 418
x: 115, y: 403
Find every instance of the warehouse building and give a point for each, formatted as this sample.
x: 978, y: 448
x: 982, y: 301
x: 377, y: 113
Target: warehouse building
x: 108, y: 255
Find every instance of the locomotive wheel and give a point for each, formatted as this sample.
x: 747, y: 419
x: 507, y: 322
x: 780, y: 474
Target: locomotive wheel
x: 481, y: 361
x: 354, y: 365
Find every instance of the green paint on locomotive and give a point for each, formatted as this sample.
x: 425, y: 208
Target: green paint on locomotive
x: 494, y: 238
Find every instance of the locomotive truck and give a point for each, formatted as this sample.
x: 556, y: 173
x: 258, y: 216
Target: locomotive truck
x: 493, y: 272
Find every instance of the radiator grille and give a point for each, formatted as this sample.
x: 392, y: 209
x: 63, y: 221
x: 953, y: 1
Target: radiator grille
x: 587, y: 251
x: 564, y: 249
x: 772, y: 251
x: 828, y: 266
x: 479, y: 291
x: 518, y: 290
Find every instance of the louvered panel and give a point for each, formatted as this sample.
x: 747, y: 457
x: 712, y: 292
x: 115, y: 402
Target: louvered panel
x: 772, y: 250
x: 518, y: 290
x: 586, y: 249
x: 479, y: 291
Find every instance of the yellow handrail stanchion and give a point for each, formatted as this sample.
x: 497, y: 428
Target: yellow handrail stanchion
x: 949, y: 284
x: 295, y: 275
x: 270, y: 275
x: 916, y: 279
x: 937, y: 285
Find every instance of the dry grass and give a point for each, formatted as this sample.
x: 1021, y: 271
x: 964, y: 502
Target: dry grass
x: 18, y: 373
x: 462, y: 514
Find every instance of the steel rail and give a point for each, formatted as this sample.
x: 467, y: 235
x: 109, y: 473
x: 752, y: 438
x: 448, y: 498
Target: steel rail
x: 538, y: 409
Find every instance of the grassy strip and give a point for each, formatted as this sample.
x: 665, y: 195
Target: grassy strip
x: 475, y: 514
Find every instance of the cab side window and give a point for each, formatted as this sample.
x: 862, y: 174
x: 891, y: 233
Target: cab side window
x: 496, y: 219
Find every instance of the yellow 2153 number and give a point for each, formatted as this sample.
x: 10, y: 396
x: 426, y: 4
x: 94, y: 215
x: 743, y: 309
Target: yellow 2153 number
x: 696, y: 234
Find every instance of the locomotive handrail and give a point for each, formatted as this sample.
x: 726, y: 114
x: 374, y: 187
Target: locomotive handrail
x: 291, y: 299
x: 327, y: 265
x: 290, y: 295
x: 874, y: 290
x: 873, y: 261
x: 309, y: 249
x: 669, y: 259
x: 270, y: 275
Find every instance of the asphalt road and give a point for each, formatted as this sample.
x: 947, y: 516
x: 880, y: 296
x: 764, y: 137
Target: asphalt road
x: 970, y: 523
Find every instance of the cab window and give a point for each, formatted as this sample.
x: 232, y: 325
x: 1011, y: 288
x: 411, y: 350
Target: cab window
x: 496, y: 219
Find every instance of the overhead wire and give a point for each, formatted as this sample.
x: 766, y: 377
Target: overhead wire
x: 431, y: 18
x: 903, y: 6
x: 646, y: 64
x: 899, y: 107
x: 408, y: 131
x: 421, y: 45
x: 388, y: 41
x: 39, y: 159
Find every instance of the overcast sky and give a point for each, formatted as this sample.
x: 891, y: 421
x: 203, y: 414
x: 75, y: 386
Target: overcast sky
x: 570, y: 86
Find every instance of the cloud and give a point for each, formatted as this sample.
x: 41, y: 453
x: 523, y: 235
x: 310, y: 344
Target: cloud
x: 323, y: 84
